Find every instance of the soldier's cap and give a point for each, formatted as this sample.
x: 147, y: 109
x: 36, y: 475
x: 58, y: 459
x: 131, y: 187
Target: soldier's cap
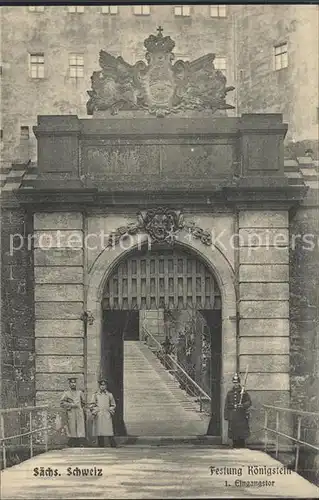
x: 101, y: 380
x: 236, y: 378
x: 72, y: 379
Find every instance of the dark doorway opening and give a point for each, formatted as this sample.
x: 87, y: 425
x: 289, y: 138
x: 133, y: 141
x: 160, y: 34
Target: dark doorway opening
x: 117, y: 326
x: 132, y: 330
x: 120, y: 325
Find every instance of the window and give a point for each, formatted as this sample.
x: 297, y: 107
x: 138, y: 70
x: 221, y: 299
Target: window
x: 281, y: 56
x: 220, y: 63
x: 110, y: 9
x: 36, y: 8
x: 37, y: 65
x: 76, y: 65
x: 182, y: 10
x: 141, y: 10
x: 1, y: 135
x: 76, y: 9
x: 24, y: 133
x: 218, y: 11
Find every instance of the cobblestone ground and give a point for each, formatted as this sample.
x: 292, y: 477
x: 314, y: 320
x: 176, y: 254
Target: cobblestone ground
x: 131, y: 472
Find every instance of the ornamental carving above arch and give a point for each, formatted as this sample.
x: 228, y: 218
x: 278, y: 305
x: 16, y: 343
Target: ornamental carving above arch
x: 158, y: 86
x: 162, y: 225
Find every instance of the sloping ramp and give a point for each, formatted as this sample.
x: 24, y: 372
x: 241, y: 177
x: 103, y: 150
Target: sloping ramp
x: 154, y: 404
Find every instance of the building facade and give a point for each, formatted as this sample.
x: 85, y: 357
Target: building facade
x: 50, y: 53
x: 268, y: 52
x: 277, y: 64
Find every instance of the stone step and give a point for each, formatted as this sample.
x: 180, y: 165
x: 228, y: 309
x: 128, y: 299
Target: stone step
x: 169, y: 440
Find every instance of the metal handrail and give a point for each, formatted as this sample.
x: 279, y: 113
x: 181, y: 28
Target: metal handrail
x: 291, y: 410
x: 43, y: 408
x: 298, y: 441
x: 295, y: 440
x: 23, y: 408
x: 179, y: 367
x: 152, y: 337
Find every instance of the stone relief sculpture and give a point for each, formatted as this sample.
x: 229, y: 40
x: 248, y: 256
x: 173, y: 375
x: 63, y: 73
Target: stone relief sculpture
x: 157, y: 86
x: 162, y: 225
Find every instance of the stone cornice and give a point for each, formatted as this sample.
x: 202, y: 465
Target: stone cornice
x: 275, y: 197
x: 231, y: 196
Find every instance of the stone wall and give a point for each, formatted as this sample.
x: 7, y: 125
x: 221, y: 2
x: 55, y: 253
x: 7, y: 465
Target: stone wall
x: 58, y: 302
x: 17, y: 321
x: 304, y: 319
x: 264, y: 308
x: 304, y: 325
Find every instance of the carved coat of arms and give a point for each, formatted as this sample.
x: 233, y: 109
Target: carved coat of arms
x: 157, y: 86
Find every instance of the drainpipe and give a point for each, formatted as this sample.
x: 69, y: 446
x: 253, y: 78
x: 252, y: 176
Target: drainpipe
x: 86, y: 316
x: 87, y: 319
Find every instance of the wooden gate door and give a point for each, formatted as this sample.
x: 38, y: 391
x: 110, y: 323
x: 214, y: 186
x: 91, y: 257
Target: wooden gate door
x: 162, y: 279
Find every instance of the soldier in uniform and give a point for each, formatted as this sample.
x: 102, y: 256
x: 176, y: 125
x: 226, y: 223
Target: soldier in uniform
x: 73, y: 402
x: 236, y: 412
x: 102, y: 408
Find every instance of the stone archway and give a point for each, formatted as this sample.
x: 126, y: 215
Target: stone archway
x: 224, y: 274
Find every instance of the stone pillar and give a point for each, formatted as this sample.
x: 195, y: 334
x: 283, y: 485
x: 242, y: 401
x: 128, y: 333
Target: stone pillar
x: 264, y: 309
x: 58, y: 269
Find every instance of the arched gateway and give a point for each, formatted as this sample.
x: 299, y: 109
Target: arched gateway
x: 126, y: 285
x: 144, y: 149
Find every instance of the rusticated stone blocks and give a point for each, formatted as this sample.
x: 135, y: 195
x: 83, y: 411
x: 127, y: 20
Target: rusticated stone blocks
x: 58, y: 300
x: 264, y: 303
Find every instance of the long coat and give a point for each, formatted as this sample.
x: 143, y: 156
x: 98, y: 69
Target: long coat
x: 75, y: 416
x: 102, y: 408
x: 238, y: 418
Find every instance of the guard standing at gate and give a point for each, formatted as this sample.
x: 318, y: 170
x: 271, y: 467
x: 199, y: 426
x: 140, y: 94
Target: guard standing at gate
x: 236, y: 408
x: 73, y: 402
x: 102, y: 408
